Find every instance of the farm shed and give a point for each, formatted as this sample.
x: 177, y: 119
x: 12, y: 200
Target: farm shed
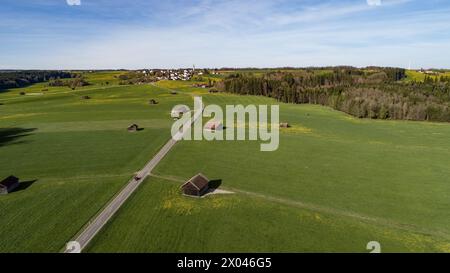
x: 85, y: 97
x: 213, y: 126
x: 178, y: 111
x: 196, y: 186
x: 133, y: 128
x: 9, y: 184
x: 152, y: 102
x: 285, y: 125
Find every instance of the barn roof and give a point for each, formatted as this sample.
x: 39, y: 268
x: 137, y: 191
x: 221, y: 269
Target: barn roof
x: 199, y: 181
x: 9, y: 181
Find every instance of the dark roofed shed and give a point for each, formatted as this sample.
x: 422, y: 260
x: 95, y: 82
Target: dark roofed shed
x: 196, y: 186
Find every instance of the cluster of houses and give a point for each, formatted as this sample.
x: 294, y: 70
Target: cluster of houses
x: 182, y: 74
x: 171, y: 74
x: 428, y: 72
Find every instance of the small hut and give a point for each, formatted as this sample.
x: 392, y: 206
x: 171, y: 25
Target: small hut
x: 197, y: 186
x: 152, y: 102
x: 285, y: 125
x: 22, y: 93
x: 213, y: 90
x: 173, y: 92
x: 178, y: 111
x: 213, y: 126
x: 9, y: 184
x: 85, y: 97
x: 133, y: 128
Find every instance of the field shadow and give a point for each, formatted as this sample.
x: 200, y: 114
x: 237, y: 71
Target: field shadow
x: 8, y: 135
x: 24, y: 185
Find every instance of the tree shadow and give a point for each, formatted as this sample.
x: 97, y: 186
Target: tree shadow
x: 8, y: 135
x: 24, y: 185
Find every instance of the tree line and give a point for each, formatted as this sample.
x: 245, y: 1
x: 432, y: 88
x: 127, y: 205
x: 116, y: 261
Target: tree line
x: 15, y: 79
x: 377, y: 93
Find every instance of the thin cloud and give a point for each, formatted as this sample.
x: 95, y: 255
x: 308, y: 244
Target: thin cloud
x: 73, y: 2
x: 374, y: 2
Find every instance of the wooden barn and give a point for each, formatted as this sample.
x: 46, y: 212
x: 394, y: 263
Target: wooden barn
x: 9, y: 184
x: 196, y: 186
x: 85, y: 98
x: 133, y: 128
x: 178, y: 111
x: 285, y: 125
x: 152, y: 102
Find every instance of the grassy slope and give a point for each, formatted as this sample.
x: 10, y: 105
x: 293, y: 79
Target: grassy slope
x: 79, y: 153
x: 393, y: 175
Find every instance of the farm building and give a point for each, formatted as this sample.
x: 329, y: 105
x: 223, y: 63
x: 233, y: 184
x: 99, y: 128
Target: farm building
x: 285, y: 125
x: 196, y: 186
x: 152, y: 102
x: 213, y: 126
x: 133, y: 128
x: 213, y: 90
x: 85, y: 97
x: 9, y: 184
x: 173, y: 92
x: 178, y: 111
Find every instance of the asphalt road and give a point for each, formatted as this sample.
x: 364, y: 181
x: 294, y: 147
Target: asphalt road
x: 95, y: 225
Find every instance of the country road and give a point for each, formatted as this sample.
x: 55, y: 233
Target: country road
x: 95, y: 225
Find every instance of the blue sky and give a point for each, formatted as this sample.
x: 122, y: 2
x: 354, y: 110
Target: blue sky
x: 100, y: 34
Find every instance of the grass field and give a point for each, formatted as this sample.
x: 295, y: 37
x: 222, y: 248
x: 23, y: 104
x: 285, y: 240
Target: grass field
x: 334, y: 184
x: 384, y: 180
x: 159, y: 219
x: 73, y: 155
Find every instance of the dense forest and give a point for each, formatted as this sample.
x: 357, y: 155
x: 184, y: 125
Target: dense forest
x: 377, y: 93
x: 14, y: 79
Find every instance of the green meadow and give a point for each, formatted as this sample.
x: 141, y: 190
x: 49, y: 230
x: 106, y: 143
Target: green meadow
x: 159, y: 219
x: 72, y: 155
x: 334, y: 184
x: 385, y: 181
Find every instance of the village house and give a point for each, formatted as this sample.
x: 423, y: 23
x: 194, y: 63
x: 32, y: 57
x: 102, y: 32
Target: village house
x: 197, y: 186
x: 9, y: 184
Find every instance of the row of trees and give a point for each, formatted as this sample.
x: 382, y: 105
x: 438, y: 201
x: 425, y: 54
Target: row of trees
x: 15, y: 79
x: 377, y: 93
x: 436, y: 79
